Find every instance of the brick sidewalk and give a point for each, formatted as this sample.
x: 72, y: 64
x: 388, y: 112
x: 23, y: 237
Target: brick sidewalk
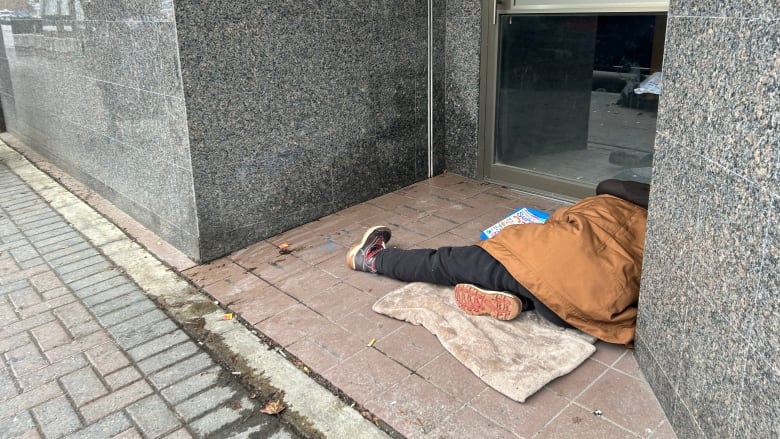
x: 85, y: 353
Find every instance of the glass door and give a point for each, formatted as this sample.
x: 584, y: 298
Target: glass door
x: 571, y: 93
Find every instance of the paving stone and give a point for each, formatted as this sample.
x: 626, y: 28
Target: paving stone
x: 109, y: 294
x: 153, y: 417
x: 45, y: 281
x: 43, y: 215
x: 80, y: 265
x: 50, y: 335
x: 142, y: 329
x: 57, y: 292
x: 25, y: 272
x: 20, y: 201
x: 48, y: 304
x: 8, y: 268
x: 109, y: 427
x: 27, y: 400
x: 184, y: 389
x: 61, y: 301
x: 14, y: 286
x: 84, y: 329
x: 42, y: 234
x: 170, y: 356
x: 7, y: 314
x: 12, y: 242
x: 24, y: 298
x: 30, y: 263
x: 73, y: 314
x: 25, y: 360
x: 157, y: 345
x: 26, y: 324
x: 7, y: 228
x: 107, y: 358
x: 115, y: 401
x: 98, y: 283
x: 122, y: 377
x: 14, y: 341
x: 83, y: 386
x: 77, y: 346
x: 132, y: 433
x: 7, y: 385
x: 34, y: 220
x: 179, y: 371
x: 23, y: 253
x: 179, y: 434
x: 85, y: 272
x: 58, y: 242
x: 205, y: 401
x: 132, y: 310
x: 16, y: 425
x: 52, y: 372
x: 57, y: 417
x: 71, y: 254
x: 215, y: 421
x: 124, y: 297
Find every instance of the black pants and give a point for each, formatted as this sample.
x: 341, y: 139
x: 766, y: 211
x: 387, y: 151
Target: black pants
x: 455, y: 265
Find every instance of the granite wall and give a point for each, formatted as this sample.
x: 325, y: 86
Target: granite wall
x: 225, y: 122
x: 299, y: 109
x: 710, y: 301
x: 96, y: 88
x: 463, y: 35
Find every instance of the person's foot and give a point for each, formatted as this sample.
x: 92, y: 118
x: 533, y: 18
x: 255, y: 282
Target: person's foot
x: 362, y: 256
x: 476, y: 301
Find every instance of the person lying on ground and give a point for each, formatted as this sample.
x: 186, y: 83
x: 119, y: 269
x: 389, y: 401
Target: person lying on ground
x: 581, y: 268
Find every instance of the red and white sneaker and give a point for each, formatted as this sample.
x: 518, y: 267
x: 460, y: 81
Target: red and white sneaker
x: 476, y: 301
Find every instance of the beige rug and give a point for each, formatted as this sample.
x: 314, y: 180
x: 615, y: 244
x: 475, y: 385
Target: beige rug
x: 517, y: 358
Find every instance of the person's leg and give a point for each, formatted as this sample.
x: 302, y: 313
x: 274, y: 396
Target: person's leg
x: 455, y: 265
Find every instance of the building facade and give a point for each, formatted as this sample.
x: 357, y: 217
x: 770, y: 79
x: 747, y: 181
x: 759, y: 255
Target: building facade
x: 216, y: 124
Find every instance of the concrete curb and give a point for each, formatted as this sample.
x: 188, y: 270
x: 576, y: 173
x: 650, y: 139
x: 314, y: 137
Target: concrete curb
x: 324, y: 413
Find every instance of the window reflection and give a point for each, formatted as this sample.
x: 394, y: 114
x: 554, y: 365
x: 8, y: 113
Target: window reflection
x: 566, y: 103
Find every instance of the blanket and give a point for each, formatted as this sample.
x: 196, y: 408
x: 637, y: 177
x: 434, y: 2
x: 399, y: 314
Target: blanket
x: 516, y: 358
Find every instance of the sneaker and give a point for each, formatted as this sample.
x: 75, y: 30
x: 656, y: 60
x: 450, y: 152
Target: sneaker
x: 362, y: 256
x: 476, y: 301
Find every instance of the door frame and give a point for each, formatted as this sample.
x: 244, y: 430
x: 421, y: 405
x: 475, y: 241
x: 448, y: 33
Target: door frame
x: 524, y: 179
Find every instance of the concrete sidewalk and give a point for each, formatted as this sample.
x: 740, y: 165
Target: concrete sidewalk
x: 87, y: 350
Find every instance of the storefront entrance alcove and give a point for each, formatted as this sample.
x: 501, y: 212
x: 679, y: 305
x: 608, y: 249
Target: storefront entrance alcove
x: 569, y: 94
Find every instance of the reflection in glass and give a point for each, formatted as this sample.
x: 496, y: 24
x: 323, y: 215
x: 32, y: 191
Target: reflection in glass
x: 566, y: 104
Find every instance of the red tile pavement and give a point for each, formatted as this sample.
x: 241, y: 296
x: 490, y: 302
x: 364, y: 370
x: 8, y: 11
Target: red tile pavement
x: 308, y: 301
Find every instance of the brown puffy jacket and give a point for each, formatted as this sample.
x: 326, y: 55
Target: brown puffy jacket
x: 584, y: 263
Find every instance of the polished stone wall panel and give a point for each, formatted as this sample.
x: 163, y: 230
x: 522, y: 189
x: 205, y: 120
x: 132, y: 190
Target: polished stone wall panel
x: 9, y: 109
x: 762, y: 374
x: 665, y: 394
x: 728, y: 258
x: 5, y: 77
x: 439, y: 79
x: 715, y: 362
x: 462, y: 60
x: 100, y: 95
x: 709, y: 313
x: 295, y: 112
x: 764, y: 9
x: 665, y: 310
x: 765, y: 333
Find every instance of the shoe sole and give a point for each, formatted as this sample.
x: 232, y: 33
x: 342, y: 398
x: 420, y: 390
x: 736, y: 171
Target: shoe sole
x: 356, y: 248
x: 477, y: 302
